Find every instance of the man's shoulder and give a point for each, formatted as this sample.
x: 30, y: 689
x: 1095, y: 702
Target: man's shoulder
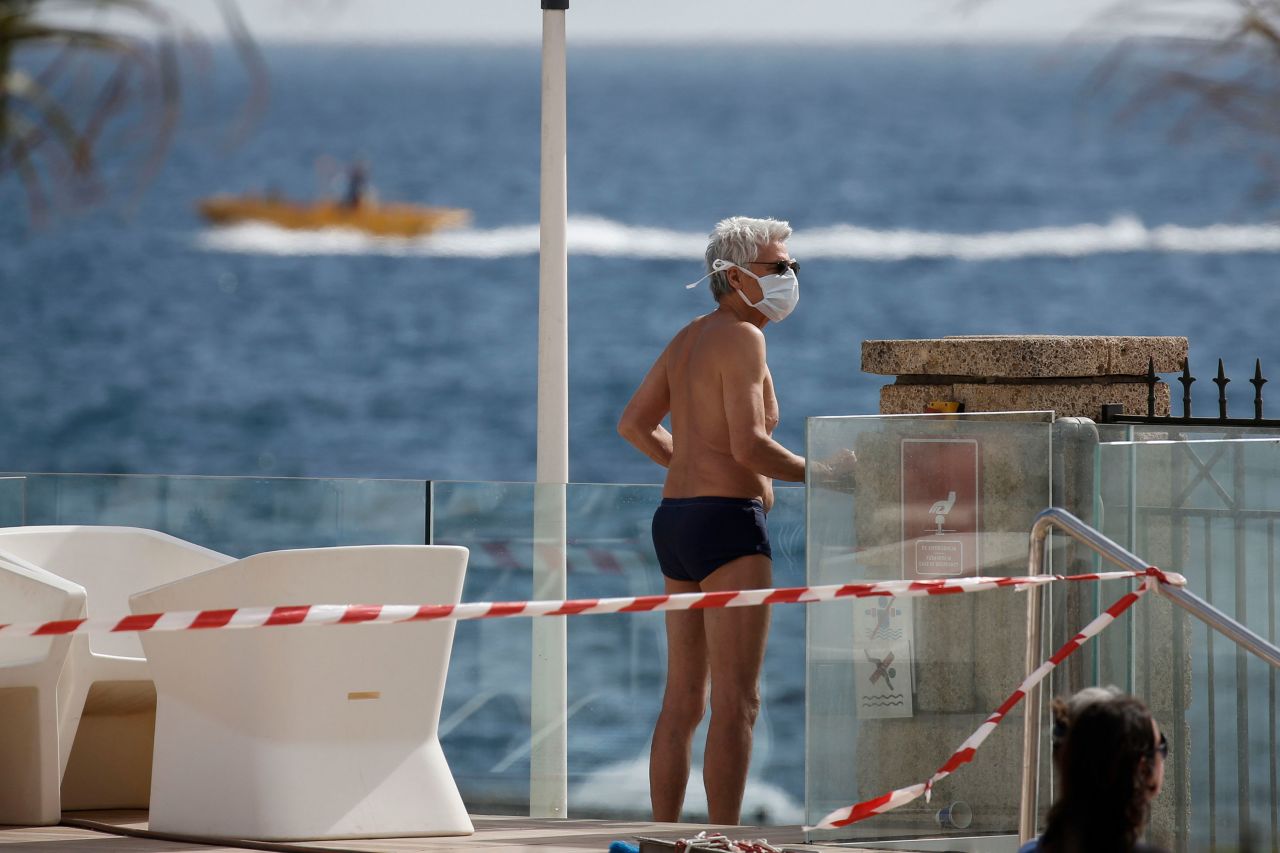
x: 716, y: 340
x: 733, y: 333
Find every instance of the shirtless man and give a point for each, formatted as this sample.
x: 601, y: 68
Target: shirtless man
x: 709, y: 531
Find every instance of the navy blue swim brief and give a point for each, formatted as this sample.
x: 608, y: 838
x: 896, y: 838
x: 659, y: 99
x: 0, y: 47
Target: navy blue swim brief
x: 696, y: 536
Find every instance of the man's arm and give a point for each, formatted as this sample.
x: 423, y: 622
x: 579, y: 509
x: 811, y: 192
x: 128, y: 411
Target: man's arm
x: 641, y: 421
x: 742, y: 374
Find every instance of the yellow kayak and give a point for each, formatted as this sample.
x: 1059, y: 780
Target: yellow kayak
x: 384, y: 220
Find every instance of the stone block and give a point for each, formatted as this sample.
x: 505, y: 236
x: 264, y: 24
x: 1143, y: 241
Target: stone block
x: 1067, y: 399
x: 1024, y: 356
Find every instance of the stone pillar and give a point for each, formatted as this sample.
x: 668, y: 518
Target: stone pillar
x: 1070, y: 375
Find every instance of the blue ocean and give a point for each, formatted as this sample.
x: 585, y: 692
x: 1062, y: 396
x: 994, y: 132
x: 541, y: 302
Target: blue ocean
x: 935, y: 190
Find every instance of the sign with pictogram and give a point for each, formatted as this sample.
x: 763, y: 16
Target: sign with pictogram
x: 940, y: 508
x: 882, y: 682
x: 882, y: 660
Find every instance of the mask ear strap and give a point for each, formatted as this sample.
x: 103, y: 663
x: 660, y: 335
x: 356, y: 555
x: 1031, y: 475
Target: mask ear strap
x: 717, y: 266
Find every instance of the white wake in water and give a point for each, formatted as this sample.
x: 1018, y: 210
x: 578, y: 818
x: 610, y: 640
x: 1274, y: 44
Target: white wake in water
x: 605, y: 238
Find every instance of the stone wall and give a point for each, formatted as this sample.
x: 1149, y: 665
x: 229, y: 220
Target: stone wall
x: 1069, y: 375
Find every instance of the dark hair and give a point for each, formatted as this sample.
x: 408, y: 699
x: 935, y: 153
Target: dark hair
x: 1102, y: 804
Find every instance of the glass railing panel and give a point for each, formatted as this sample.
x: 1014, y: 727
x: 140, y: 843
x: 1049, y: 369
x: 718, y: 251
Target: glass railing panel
x: 618, y: 665
x: 13, y: 491
x: 485, y: 720
x: 616, y: 662
x: 1209, y: 510
x: 237, y: 515
x: 776, y: 784
x: 1176, y: 432
x: 895, y: 685
x: 25, y: 650
x: 1217, y: 705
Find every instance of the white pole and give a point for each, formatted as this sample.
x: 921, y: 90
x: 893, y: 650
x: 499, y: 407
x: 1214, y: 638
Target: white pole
x: 549, y: 756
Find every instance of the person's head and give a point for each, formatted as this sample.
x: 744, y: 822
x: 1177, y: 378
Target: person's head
x: 754, y: 244
x: 1110, y: 766
x: 1066, y: 710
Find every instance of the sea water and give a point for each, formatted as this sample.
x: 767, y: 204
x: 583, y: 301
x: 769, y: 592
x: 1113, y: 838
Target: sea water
x: 934, y: 191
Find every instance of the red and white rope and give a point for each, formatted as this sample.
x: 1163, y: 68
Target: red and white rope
x: 965, y: 753
x: 365, y: 614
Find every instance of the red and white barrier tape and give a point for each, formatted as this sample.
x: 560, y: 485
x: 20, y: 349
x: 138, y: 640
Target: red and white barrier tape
x: 365, y: 614
x: 963, y: 755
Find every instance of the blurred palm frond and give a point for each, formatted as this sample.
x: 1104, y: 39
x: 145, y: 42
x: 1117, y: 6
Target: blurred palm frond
x: 1207, y: 66
x: 1211, y: 68
x: 70, y: 70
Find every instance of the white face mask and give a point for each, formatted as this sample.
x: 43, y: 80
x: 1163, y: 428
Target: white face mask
x: 781, y: 293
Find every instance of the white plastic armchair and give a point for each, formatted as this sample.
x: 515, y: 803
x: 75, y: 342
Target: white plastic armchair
x: 30, y: 704
x: 326, y: 731
x: 107, y: 717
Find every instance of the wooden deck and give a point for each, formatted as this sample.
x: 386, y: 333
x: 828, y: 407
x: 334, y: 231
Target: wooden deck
x: 492, y: 835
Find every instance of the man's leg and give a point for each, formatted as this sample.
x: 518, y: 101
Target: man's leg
x: 683, y: 704
x: 735, y: 649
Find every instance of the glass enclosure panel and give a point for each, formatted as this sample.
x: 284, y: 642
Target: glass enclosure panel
x: 12, y: 501
x: 237, y: 515
x: 894, y: 685
x: 1209, y: 510
x: 617, y: 662
x: 485, y: 720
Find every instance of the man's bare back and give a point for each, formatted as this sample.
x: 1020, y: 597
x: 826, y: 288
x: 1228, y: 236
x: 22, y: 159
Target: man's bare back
x: 713, y: 381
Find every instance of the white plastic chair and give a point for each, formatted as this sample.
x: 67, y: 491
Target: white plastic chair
x: 30, y: 704
x: 326, y: 731
x: 107, y: 702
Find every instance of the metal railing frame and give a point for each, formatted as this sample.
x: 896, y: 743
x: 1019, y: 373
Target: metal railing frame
x: 1115, y: 553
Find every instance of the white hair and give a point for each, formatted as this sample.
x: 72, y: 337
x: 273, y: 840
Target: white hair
x: 739, y: 239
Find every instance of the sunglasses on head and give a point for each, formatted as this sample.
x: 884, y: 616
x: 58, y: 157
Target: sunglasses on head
x: 778, y: 267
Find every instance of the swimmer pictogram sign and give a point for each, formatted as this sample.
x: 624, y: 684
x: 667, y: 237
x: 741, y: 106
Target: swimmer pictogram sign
x: 940, y: 513
x: 882, y: 663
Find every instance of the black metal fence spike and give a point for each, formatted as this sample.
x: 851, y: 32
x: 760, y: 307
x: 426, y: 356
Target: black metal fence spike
x: 1151, y: 387
x: 1186, y: 379
x: 1257, y: 382
x: 1221, y: 381
x: 1114, y: 414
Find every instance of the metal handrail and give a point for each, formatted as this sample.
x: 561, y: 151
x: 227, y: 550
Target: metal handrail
x: 1112, y: 551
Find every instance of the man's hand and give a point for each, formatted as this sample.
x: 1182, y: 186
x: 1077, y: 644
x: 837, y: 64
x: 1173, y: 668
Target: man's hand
x: 835, y: 472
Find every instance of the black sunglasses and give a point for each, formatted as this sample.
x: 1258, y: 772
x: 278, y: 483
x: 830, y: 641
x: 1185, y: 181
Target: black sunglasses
x: 779, y: 267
